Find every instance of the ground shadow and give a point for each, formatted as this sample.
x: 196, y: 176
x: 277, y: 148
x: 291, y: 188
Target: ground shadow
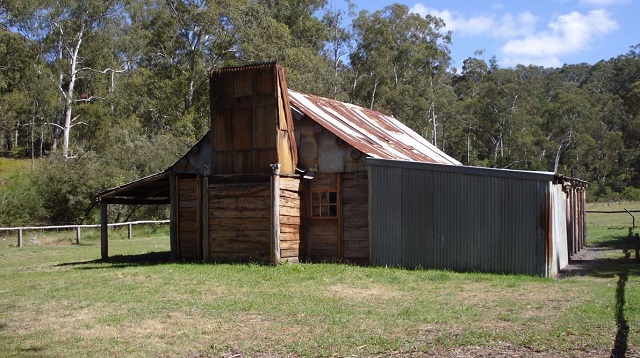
x: 147, y: 259
x: 604, y: 262
x: 620, y: 344
x: 611, y: 259
x: 622, y: 242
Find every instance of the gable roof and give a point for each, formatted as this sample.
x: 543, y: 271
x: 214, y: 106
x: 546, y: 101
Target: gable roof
x: 376, y: 134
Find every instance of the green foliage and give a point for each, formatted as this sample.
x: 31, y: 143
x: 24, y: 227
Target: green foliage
x: 140, y: 86
x: 21, y: 201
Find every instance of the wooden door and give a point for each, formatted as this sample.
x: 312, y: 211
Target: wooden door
x: 323, y: 213
x: 188, y: 218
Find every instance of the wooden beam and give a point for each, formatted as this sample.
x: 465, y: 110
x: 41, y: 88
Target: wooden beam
x: 275, y: 214
x: 134, y: 201
x: 104, y: 232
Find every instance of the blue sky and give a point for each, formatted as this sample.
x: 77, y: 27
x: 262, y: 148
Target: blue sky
x: 547, y: 33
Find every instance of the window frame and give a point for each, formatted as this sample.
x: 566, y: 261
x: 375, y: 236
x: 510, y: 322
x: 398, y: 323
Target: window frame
x: 330, y: 207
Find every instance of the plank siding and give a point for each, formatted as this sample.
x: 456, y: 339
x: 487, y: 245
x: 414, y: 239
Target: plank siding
x: 189, y: 245
x: 251, y: 123
x: 239, y: 222
x: 291, y: 246
x: 355, y: 216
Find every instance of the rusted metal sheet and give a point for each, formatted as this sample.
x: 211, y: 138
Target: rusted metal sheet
x: 466, y: 218
x: 376, y: 134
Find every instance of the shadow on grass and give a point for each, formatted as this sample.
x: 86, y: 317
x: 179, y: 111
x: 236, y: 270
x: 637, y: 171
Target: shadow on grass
x: 118, y: 261
x: 621, y: 342
x: 605, y: 258
x: 623, y: 242
x: 612, y: 258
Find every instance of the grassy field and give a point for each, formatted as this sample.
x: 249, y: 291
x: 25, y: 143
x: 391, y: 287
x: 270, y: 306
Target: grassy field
x: 58, y: 300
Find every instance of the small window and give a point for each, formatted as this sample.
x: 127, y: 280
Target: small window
x: 324, y: 204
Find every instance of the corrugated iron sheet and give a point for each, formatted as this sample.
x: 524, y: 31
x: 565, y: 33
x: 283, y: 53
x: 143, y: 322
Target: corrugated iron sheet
x: 466, y: 219
x: 374, y: 133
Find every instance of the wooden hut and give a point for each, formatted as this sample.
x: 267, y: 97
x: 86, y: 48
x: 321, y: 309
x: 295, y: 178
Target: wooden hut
x: 281, y: 176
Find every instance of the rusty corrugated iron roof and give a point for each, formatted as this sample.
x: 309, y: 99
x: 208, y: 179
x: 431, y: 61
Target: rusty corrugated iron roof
x: 371, y: 132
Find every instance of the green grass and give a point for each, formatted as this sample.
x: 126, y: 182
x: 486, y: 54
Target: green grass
x: 613, y: 220
x: 58, y: 300
x: 10, y: 167
x: 613, y: 230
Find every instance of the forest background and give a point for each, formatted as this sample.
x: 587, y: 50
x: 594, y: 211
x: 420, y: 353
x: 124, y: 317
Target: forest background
x: 101, y: 92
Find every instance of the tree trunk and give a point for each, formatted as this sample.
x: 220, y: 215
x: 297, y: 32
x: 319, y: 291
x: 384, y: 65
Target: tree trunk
x: 66, y: 129
x: 373, y: 94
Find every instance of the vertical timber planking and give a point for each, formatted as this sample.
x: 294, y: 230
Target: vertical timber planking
x: 204, y: 217
x: 173, y: 216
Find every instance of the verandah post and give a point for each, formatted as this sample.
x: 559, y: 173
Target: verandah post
x: 275, y: 214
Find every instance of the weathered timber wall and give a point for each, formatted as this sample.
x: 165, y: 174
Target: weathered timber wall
x: 355, y: 216
x: 239, y: 222
x: 250, y: 127
x: 292, y: 248
x: 189, y: 246
x: 322, y: 151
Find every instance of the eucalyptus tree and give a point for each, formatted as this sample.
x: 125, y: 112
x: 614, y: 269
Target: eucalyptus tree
x: 63, y: 28
x: 468, y: 85
x: 339, y: 45
x: 400, y: 65
x: 25, y: 100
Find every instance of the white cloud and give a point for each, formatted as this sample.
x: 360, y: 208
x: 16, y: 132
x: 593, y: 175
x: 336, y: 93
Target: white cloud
x: 570, y: 33
x: 508, y: 26
x: 522, y: 42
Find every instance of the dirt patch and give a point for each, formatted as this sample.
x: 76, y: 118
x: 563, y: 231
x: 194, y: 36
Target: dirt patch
x: 360, y: 293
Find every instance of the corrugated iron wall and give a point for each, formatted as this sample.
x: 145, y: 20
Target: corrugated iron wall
x: 465, y: 220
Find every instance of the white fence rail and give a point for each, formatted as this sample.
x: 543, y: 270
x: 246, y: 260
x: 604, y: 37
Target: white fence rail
x: 78, y: 228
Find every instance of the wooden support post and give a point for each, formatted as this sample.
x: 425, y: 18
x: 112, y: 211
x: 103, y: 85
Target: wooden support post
x: 19, y: 237
x: 77, y: 235
x: 275, y: 214
x: 129, y: 231
x: 104, y: 232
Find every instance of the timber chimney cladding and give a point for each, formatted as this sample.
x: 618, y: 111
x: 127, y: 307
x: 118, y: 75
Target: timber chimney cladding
x: 251, y: 123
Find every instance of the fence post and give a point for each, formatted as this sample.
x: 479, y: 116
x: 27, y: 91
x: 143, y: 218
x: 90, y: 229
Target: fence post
x: 130, y: 231
x: 637, y: 243
x: 77, y: 235
x: 19, y: 237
